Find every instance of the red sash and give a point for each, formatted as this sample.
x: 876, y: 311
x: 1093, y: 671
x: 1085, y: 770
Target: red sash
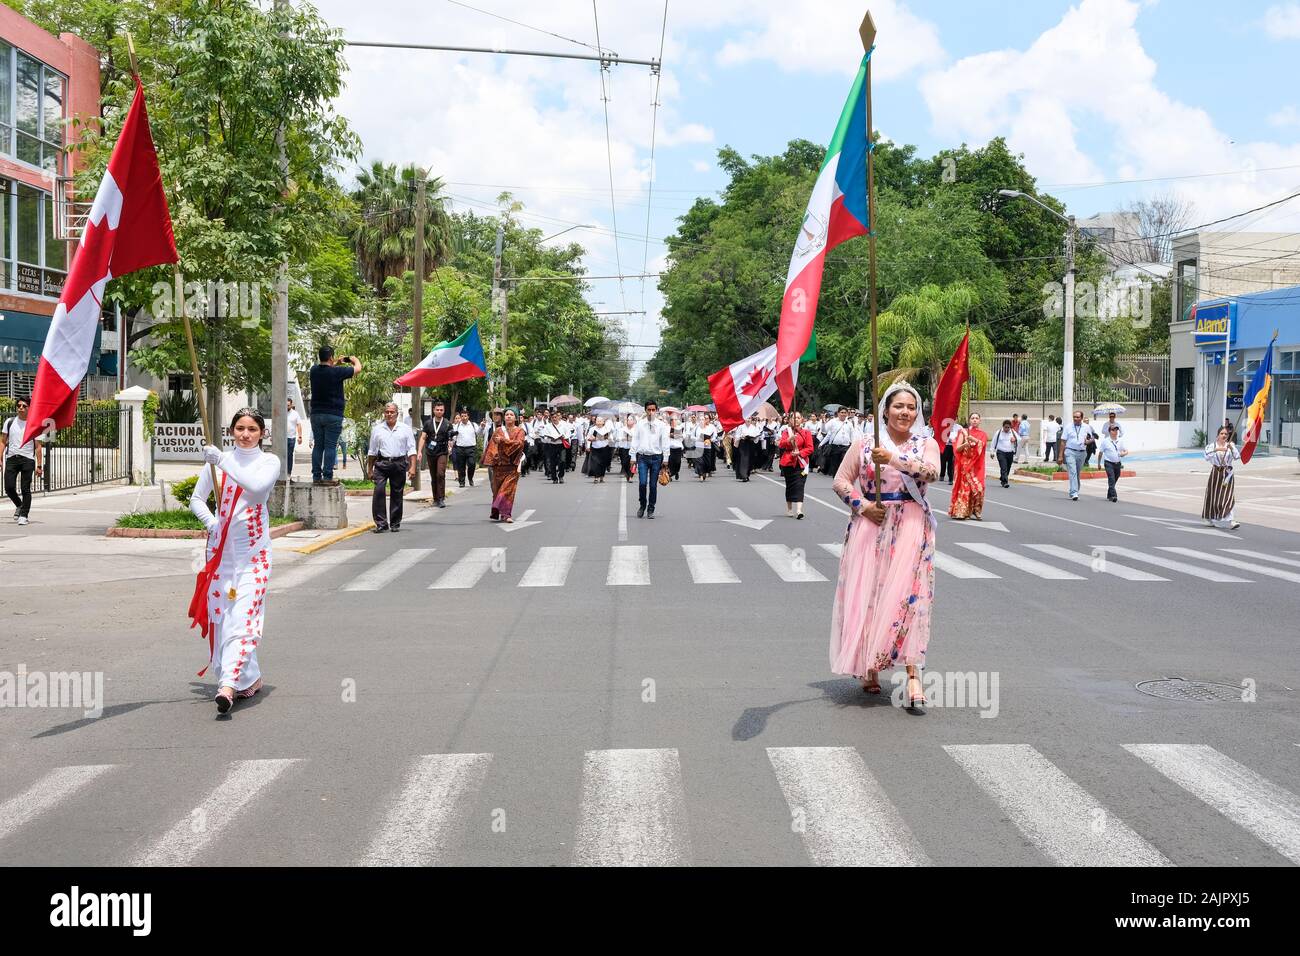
x: 199, y: 602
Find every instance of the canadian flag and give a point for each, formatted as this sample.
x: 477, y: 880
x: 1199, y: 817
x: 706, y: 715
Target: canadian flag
x: 740, y: 388
x: 129, y: 228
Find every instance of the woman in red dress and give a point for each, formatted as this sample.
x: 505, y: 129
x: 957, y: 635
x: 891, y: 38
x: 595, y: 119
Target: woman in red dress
x: 968, y: 483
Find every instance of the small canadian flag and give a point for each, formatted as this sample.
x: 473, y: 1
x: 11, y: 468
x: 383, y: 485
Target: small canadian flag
x: 739, y: 389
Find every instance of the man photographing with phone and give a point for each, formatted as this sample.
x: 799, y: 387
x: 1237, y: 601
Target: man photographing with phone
x: 327, y: 380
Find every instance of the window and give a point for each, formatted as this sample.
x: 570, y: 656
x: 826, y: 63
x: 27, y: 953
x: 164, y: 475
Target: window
x: 33, y: 261
x: 1286, y: 361
x: 35, y: 94
x: 1186, y: 287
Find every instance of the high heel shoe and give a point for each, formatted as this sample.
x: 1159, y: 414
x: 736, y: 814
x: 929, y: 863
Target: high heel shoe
x: 915, y: 702
x: 872, y: 683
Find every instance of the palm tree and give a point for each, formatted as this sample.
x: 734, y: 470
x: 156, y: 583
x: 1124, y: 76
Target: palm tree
x: 921, y: 330
x: 383, y: 236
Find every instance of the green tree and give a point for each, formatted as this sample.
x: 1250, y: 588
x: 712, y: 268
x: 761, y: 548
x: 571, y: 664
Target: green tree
x: 383, y: 233
x: 919, y: 333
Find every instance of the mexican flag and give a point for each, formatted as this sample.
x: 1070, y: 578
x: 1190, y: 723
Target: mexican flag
x: 739, y: 389
x: 837, y: 210
x: 454, y: 361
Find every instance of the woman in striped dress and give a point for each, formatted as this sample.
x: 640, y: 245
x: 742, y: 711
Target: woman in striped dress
x: 1220, y: 496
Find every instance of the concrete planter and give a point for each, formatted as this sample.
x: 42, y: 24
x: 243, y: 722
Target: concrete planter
x: 322, y: 507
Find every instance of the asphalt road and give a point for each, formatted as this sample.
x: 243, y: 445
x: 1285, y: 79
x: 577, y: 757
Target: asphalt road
x: 592, y: 688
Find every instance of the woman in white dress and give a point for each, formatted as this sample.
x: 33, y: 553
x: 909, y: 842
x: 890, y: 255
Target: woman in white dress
x: 707, y: 436
x: 599, y: 439
x: 229, y: 602
x: 1220, y: 494
x: 623, y: 442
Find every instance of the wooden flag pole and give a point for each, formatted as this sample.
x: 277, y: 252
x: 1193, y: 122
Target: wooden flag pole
x: 868, y: 33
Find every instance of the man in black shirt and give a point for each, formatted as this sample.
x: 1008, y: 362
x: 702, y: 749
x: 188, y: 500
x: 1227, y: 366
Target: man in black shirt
x: 435, y: 438
x: 327, y: 380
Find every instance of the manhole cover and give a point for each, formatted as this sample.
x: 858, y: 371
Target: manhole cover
x: 1176, y: 688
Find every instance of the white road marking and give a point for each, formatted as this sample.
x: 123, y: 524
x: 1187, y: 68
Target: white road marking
x: 388, y: 569
x: 1107, y: 566
x: 622, y: 512
x: 959, y: 568
x: 469, y: 570
x: 1179, y: 524
x: 1253, y: 567
x: 433, y: 801
x: 45, y: 794
x: 1020, y: 562
x: 790, y: 564
x: 550, y: 569
x: 745, y: 521
x: 1243, y: 796
x: 707, y: 565
x: 808, y: 497
x: 1054, y: 813
x: 310, y: 567
x: 628, y: 564
x: 633, y: 810
x: 520, y: 522
x: 1262, y: 556
x: 846, y: 818
x: 1206, y: 574
x: 1044, y: 514
x: 835, y: 548
x: 193, y: 832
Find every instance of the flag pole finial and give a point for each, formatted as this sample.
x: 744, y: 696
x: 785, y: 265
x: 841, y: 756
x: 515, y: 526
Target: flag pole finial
x: 130, y: 52
x: 868, y: 32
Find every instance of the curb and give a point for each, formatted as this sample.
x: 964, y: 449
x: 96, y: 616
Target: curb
x: 1065, y: 476
x: 181, y: 533
x: 343, y: 535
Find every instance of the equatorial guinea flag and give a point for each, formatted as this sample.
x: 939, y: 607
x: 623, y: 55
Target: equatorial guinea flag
x: 837, y: 210
x: 454, y: 361
x: 740, y: 388
x: 129, y: 228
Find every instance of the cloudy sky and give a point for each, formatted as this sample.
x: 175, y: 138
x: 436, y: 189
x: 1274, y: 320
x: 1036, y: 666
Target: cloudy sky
x: 1109, y: 100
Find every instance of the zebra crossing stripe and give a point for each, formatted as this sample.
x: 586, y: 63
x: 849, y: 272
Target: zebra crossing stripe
x: 707, y: 565
x: 633, y: 810
x: 299, y: 574
x: 1020, y: 562
x: 1252, y: 566
x: 959, y: 568
x: 790, y: 564
x: 1107, y: 566
x: 1205, y: 574
x: 469, y: 570
x: 433, y: 802
x: 550, y: 569
x: 1243, y: 796
x: 835, y: 549
x: 45, y: 794
x: 1054, y: 813
x: 841, y: 810
x: 193, y: 832
x: 629, y: 564
x: 387, y: 569
x: 1261, y: 556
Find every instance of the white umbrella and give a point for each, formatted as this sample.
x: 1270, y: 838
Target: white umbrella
x: 1105, y: 408
x: 598, y: 400
x: 628, y: 408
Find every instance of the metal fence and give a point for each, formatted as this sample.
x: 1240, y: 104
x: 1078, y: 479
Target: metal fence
x: 95, y: 448
x: 1020, y: 377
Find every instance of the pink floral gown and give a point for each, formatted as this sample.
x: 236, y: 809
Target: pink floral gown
x: 886, y: 583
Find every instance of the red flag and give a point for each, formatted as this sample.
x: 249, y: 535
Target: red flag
x: 129, y: 228
x: 947, y: 397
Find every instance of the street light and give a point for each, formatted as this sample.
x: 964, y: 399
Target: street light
x: 1067, y: 365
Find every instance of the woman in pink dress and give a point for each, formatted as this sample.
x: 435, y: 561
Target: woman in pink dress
x: 968, y: 478
x: 886, y: 582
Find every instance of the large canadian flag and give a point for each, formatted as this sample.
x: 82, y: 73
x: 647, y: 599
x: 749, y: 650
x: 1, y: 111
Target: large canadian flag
x: 129, y: 228
x: 739, y: 389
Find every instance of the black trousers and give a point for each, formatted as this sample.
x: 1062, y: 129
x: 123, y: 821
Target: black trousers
x: 16, y: 467
x: 834, y: 455
x: 1049, y: 453
x: 463, y: 460
x: 390, y: 471
x: 947, y: 462
x: 551, y: 456
x: 1005, y: 459
x: 570, y: 456
x: 1112, y: 478
x: 674, y: 462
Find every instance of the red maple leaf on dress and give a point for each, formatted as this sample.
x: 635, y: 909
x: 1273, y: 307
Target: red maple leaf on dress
x: 755, y: 381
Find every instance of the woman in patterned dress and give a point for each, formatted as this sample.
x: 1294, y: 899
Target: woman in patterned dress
x: 229, y: 603
x: 1220, y: 495
x: 968, y: 477
x: 885, y: 588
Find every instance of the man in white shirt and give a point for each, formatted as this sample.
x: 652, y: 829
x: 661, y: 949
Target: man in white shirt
x: 837, y: 436
x: 295, y: 436
x: 390, y: 458
x: 1075, y: 439
x: 552, y: 437
x: 21, y: 461
x: 1051, y: 432
x: 464, y: 449
x: 649, y: 449
x: 1004, y: 443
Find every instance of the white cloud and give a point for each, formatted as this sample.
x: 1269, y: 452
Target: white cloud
x: 823, y: 37
x: 1091, y: 68
x: 1286, y: 116
x: 700, y: 166
x: 1282, y: 22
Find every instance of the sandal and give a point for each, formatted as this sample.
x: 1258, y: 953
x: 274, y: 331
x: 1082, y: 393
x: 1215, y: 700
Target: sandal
x: 871, y: 685
x: 915, y: 702
x: 225, y: 699
x: 251, y: 690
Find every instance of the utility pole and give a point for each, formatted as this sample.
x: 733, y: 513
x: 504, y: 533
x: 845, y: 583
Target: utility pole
x: 1067, y: 364
x: 280, y: 324
x: 417, y: 307
x: 499, y: 305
